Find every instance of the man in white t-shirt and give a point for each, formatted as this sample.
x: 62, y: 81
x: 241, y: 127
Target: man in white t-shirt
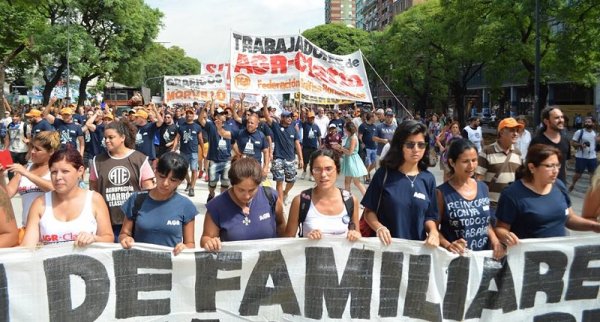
x: 584, y: 140
x: 473, y: 132
x: 322, y: 121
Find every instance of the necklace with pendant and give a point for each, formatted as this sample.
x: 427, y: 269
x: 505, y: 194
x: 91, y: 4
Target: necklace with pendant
x: 412, y: 181
x: 246, y: 213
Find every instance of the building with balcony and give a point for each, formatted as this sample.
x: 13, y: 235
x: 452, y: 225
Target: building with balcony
x: 341, y: 11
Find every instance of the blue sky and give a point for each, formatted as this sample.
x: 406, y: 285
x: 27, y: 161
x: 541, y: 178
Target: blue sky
x: 202, y: 27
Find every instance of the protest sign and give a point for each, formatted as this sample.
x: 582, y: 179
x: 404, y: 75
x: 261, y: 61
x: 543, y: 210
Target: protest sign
x: 193, y: 88
x: 291, y: 279
x: 289, y: 64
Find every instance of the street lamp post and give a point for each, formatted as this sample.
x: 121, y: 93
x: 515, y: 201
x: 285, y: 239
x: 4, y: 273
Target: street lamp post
x: 536, y: 81
x: 68, y: 93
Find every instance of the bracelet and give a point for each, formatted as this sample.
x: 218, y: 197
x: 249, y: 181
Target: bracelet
x: 378, y: 229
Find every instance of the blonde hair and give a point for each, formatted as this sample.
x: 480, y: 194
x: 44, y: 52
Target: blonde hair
x: 49, y: 140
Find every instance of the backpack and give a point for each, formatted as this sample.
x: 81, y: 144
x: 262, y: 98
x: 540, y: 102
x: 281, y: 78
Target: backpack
x: 272, y: 201
x: 305, y: 199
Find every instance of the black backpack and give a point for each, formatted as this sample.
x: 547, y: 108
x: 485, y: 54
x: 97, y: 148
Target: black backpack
x: 305, y: 199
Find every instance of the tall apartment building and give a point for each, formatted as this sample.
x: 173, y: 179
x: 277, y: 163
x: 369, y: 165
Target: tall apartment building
x: 340, y: 11
x: 377, y: 14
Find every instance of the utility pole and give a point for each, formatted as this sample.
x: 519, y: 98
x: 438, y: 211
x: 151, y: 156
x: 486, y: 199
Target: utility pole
x: 536, y: 81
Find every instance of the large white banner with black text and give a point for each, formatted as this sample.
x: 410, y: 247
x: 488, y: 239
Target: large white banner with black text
x: 302, y: 280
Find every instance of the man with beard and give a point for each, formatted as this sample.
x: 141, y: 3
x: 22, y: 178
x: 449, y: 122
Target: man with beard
x: 498, y: 162
x: 252, y: 143
x: 188, y: 139
x: 585, y: 141
x: 71, y: 133
x: 473, y: 132
x: 286, y: 140
x: 38, y: 122
x: 550, y: 134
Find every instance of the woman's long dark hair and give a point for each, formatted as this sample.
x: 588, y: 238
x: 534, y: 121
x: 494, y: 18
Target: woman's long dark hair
x: 536, y: 154
x: 395, y: 156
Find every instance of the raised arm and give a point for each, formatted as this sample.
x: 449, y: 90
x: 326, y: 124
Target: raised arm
x: 46, y: 112
x: 267, y: 115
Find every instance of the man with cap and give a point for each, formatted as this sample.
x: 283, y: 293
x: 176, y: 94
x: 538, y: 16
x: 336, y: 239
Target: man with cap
x: 553, y: 123
x: 498, y: 162
x: 144, y: 139
x: 71, y: 133
x: 385, y: 131
x: 285, y: 136
x: 189, y: 136
x: 332, y: 139
x: 38, y: 122
x: 16, y: 141
x: 311, y: 139
x: 219, y: 148
x: 473, y: 132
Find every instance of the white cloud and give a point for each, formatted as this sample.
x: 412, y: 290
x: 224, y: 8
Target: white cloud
x: 202, y: 27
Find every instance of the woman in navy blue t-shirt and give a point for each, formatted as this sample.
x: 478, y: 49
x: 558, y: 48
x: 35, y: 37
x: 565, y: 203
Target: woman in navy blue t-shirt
x: 400, y: 201
x: 464, y: 205
x: 247, y: 211
x: 538, y: 205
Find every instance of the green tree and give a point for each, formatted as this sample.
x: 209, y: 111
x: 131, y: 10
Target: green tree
x: 156, y: 62
x: 102, y: 35
x: 18, y: 21
x: 339, y: 39
x: 408, y: 55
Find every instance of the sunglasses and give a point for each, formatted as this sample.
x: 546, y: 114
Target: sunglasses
x: 411, y: 145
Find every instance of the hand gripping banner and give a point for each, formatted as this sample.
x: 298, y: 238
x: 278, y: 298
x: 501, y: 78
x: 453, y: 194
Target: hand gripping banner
x: 292, y: 279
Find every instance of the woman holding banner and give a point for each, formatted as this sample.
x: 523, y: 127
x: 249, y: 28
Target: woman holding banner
x: 161, y: 216
x: 538, y: 205
x: 324, y: 209
x: 464, y: 205
x: 400, y: 201
x: 69, y: 213
x: 248, y: 211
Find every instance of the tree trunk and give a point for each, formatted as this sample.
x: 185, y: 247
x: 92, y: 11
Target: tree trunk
x: 82, y: 87
x: 50, y: 84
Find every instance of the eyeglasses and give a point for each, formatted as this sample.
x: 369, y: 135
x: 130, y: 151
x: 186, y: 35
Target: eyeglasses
x: 327, y: 170
x: 551, y: 166
x: 411, y: 145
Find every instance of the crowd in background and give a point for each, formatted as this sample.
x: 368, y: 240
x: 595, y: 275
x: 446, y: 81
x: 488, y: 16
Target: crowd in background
x: 493, y: 194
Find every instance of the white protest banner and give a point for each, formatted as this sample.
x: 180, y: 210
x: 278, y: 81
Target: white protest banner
x: 292, y: 279
x: 288, y: 64
x: 193, y: 88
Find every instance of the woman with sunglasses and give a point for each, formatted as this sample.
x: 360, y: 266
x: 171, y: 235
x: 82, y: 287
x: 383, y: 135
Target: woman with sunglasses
x: 327, y: 213
x: 400, y: 201
x: 538, y: 205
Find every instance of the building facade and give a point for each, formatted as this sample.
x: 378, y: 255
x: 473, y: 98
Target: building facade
x: 341, y: 11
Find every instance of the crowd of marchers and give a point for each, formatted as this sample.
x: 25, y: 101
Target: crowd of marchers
x: 493, y: 195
